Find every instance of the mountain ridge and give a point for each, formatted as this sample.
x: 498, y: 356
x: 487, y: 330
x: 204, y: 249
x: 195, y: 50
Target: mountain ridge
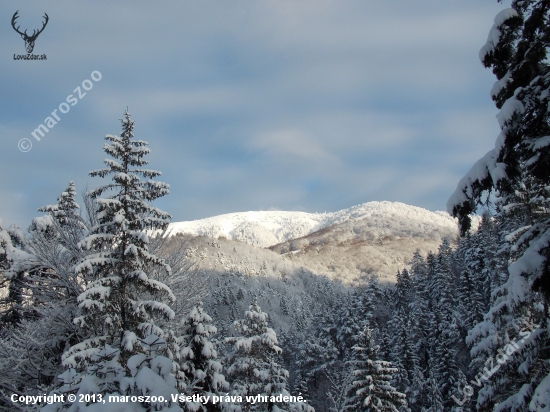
x: 269, y: 228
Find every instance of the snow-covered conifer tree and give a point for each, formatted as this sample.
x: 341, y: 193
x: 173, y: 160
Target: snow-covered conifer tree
x: 404, y: 356
x: 441, y: 282
x: 319, y: 361
x: 65, y: 210
x: 419, y: 308
x: 371, y: 389
x: 54, y: 241
x: 198, y: 360
x: 517, y: 174
x: 32, y: 351
x: 399, y: 352
x: 476, y: 254
x: 122, y: 306
x: 302, y: 387
x: 403, y: 289
x: 254, y: 367
x: 434, y: 399
x: 350, y: 323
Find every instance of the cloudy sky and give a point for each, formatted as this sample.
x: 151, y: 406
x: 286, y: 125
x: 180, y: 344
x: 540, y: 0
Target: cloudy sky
x: 310, y: 105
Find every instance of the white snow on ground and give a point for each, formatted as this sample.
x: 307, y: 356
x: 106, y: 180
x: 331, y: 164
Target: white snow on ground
x: 267, y: 228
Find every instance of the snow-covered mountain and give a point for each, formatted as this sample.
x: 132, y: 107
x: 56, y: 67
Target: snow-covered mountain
x: 268, y: 228
x: 261, y: 229
x: 375, y: 238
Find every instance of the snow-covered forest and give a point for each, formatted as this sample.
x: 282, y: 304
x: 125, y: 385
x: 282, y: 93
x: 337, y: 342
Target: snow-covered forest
x: 105, y: 306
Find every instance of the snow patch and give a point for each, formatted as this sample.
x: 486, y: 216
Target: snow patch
x: 494, y: 34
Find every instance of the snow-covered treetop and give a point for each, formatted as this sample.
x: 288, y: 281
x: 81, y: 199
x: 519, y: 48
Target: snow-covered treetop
x: 129, y: 193
x: 255, y: 331
x: 515, y: 50
x: 65, y: 209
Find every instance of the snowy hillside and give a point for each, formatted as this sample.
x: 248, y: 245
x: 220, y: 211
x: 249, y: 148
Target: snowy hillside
x: 261, y: 229
x: 268, y: 228
x: 377, y: 245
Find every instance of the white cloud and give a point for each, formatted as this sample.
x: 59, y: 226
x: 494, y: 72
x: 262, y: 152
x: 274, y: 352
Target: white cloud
x: 293, y: 146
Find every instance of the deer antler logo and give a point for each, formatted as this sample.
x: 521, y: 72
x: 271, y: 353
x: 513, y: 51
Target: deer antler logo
x: 29, y: 40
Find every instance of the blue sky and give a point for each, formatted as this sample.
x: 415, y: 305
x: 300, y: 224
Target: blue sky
x: 251, y: 105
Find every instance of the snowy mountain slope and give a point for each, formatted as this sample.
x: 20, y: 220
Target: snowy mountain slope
x: 261, y: 229
x: 377, y: 245
x: 232, y: 265
x: 267, y: 228
x: 375, y: 238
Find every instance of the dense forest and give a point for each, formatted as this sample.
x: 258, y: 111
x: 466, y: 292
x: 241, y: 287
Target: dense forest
x: 101, y: 312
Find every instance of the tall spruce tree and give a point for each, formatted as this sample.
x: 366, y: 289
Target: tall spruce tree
x: 122, y: 306
x: 517, y: 173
